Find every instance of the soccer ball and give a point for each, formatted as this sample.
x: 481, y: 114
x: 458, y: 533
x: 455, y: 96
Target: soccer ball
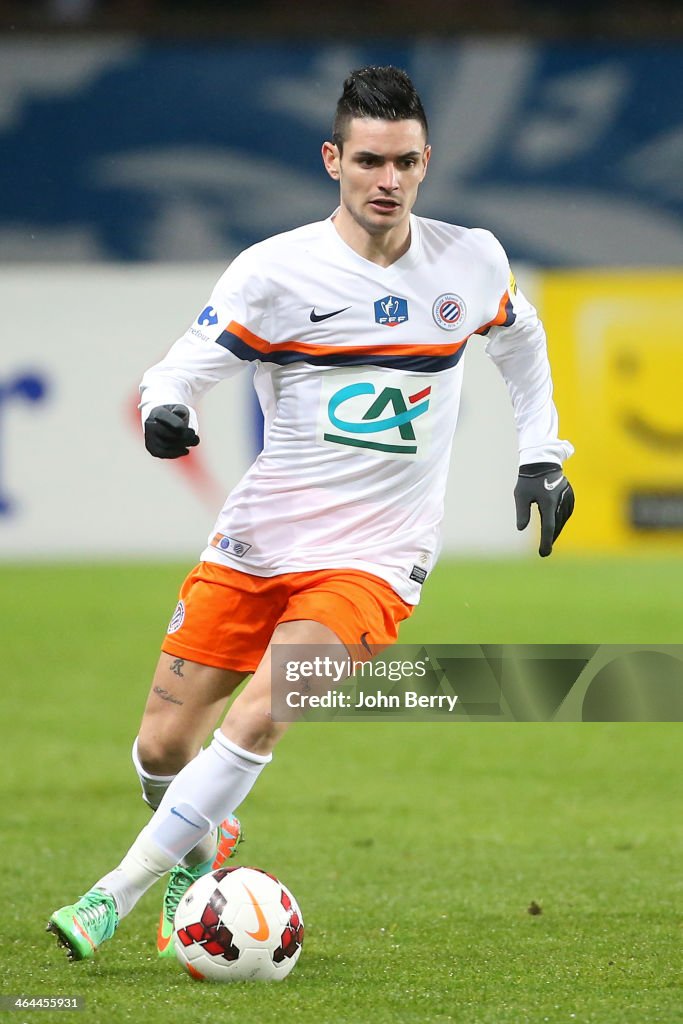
x: 238, y: 924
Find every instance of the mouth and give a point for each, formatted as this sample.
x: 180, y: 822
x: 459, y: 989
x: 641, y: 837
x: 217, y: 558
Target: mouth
x: 383, y: 205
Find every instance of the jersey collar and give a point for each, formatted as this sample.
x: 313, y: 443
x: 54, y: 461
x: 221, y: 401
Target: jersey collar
x: 407, y: 261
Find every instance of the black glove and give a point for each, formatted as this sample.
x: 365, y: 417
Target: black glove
x: 167, y: 434
x: 544, y: 484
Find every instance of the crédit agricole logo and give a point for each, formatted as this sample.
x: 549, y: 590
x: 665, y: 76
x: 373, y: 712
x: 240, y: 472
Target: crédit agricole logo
x: 382, y: 418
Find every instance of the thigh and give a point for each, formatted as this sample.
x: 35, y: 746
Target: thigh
x: 249, y: 721
x: 185, y: 703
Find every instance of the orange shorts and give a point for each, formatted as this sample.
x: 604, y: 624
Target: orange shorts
x: 226, y: 618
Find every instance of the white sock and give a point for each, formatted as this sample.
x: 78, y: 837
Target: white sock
x: 153, y: 789
x: 205, y: 792
x: 143, y: 865
x: 153, y: 786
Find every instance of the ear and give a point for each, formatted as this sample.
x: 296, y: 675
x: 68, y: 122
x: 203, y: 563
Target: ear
x: 331, y: 159
x: 427, y: 154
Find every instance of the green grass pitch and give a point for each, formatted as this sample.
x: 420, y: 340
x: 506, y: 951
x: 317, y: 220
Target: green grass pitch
x: 415, y: 850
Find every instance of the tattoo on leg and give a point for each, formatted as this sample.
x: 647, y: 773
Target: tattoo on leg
x: 165, y: 695
x: 177, y: 667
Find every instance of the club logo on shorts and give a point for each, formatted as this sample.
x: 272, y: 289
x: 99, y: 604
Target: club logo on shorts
x: 449, y: 311
x: 177, y: 618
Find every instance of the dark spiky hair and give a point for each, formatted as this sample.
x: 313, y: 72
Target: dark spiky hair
x: 384, y: 93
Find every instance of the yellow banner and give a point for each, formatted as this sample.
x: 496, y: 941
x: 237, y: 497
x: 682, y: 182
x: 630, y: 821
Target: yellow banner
x: 616, y: 346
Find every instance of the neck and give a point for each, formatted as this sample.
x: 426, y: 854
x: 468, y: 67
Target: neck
x: 383, y: 248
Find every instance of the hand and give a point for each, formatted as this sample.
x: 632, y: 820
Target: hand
x: 544, y: 484
x: 167, y: 434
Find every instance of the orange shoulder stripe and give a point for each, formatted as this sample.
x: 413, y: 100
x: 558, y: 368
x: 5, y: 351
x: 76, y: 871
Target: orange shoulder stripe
x: 500, y: 317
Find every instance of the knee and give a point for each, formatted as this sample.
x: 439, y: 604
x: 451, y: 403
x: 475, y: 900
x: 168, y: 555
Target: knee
x: 250, y: 725
x: 163, y: 754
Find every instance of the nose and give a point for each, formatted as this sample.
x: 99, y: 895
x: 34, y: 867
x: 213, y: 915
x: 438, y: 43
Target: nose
x: 388, y: 180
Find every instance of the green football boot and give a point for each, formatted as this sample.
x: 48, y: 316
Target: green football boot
x: 181, y: 878
x: 230, y: 835
x: 83, y: 926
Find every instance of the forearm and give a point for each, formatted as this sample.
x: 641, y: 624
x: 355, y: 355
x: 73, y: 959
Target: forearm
x: 185, y: 375
x: 520, y: 354
x: 168, y: 385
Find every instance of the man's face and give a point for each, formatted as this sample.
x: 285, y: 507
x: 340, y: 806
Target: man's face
x: 379, y: 171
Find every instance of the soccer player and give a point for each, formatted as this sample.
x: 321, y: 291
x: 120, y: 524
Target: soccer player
x: 356, y: 327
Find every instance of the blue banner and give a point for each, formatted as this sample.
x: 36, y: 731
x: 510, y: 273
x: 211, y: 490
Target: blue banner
x: 129, y: 150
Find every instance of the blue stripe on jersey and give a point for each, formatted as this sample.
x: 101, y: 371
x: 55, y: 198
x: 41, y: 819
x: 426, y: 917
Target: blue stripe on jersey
x: 510, y: 314
x: 284, y: 356
x: 510, y: 317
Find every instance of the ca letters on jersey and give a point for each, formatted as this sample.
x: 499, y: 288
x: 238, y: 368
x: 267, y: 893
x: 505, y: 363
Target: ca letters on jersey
x: 382, y: 414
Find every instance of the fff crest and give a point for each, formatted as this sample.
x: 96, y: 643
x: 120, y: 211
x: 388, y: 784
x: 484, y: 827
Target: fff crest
x: 391, y: 311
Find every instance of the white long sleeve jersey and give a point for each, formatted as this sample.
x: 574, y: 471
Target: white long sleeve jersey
x: 358, y: 372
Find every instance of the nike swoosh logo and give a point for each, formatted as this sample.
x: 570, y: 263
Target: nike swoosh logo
x: 179, y: 815
x: 85, y: 935
x: 162, y: 940
x: 263, y: 931
x: 317, y: 317
x: 364, y: 642
x: 553, y: 485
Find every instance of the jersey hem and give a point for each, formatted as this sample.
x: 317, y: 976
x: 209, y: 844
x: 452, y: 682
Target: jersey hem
x: 408, y: 594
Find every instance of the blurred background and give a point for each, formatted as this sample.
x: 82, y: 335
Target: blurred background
x: 143, y: 144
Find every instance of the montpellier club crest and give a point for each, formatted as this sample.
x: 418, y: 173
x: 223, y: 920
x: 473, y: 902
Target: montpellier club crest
x: 177, y: 618
x: 449, y: 311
